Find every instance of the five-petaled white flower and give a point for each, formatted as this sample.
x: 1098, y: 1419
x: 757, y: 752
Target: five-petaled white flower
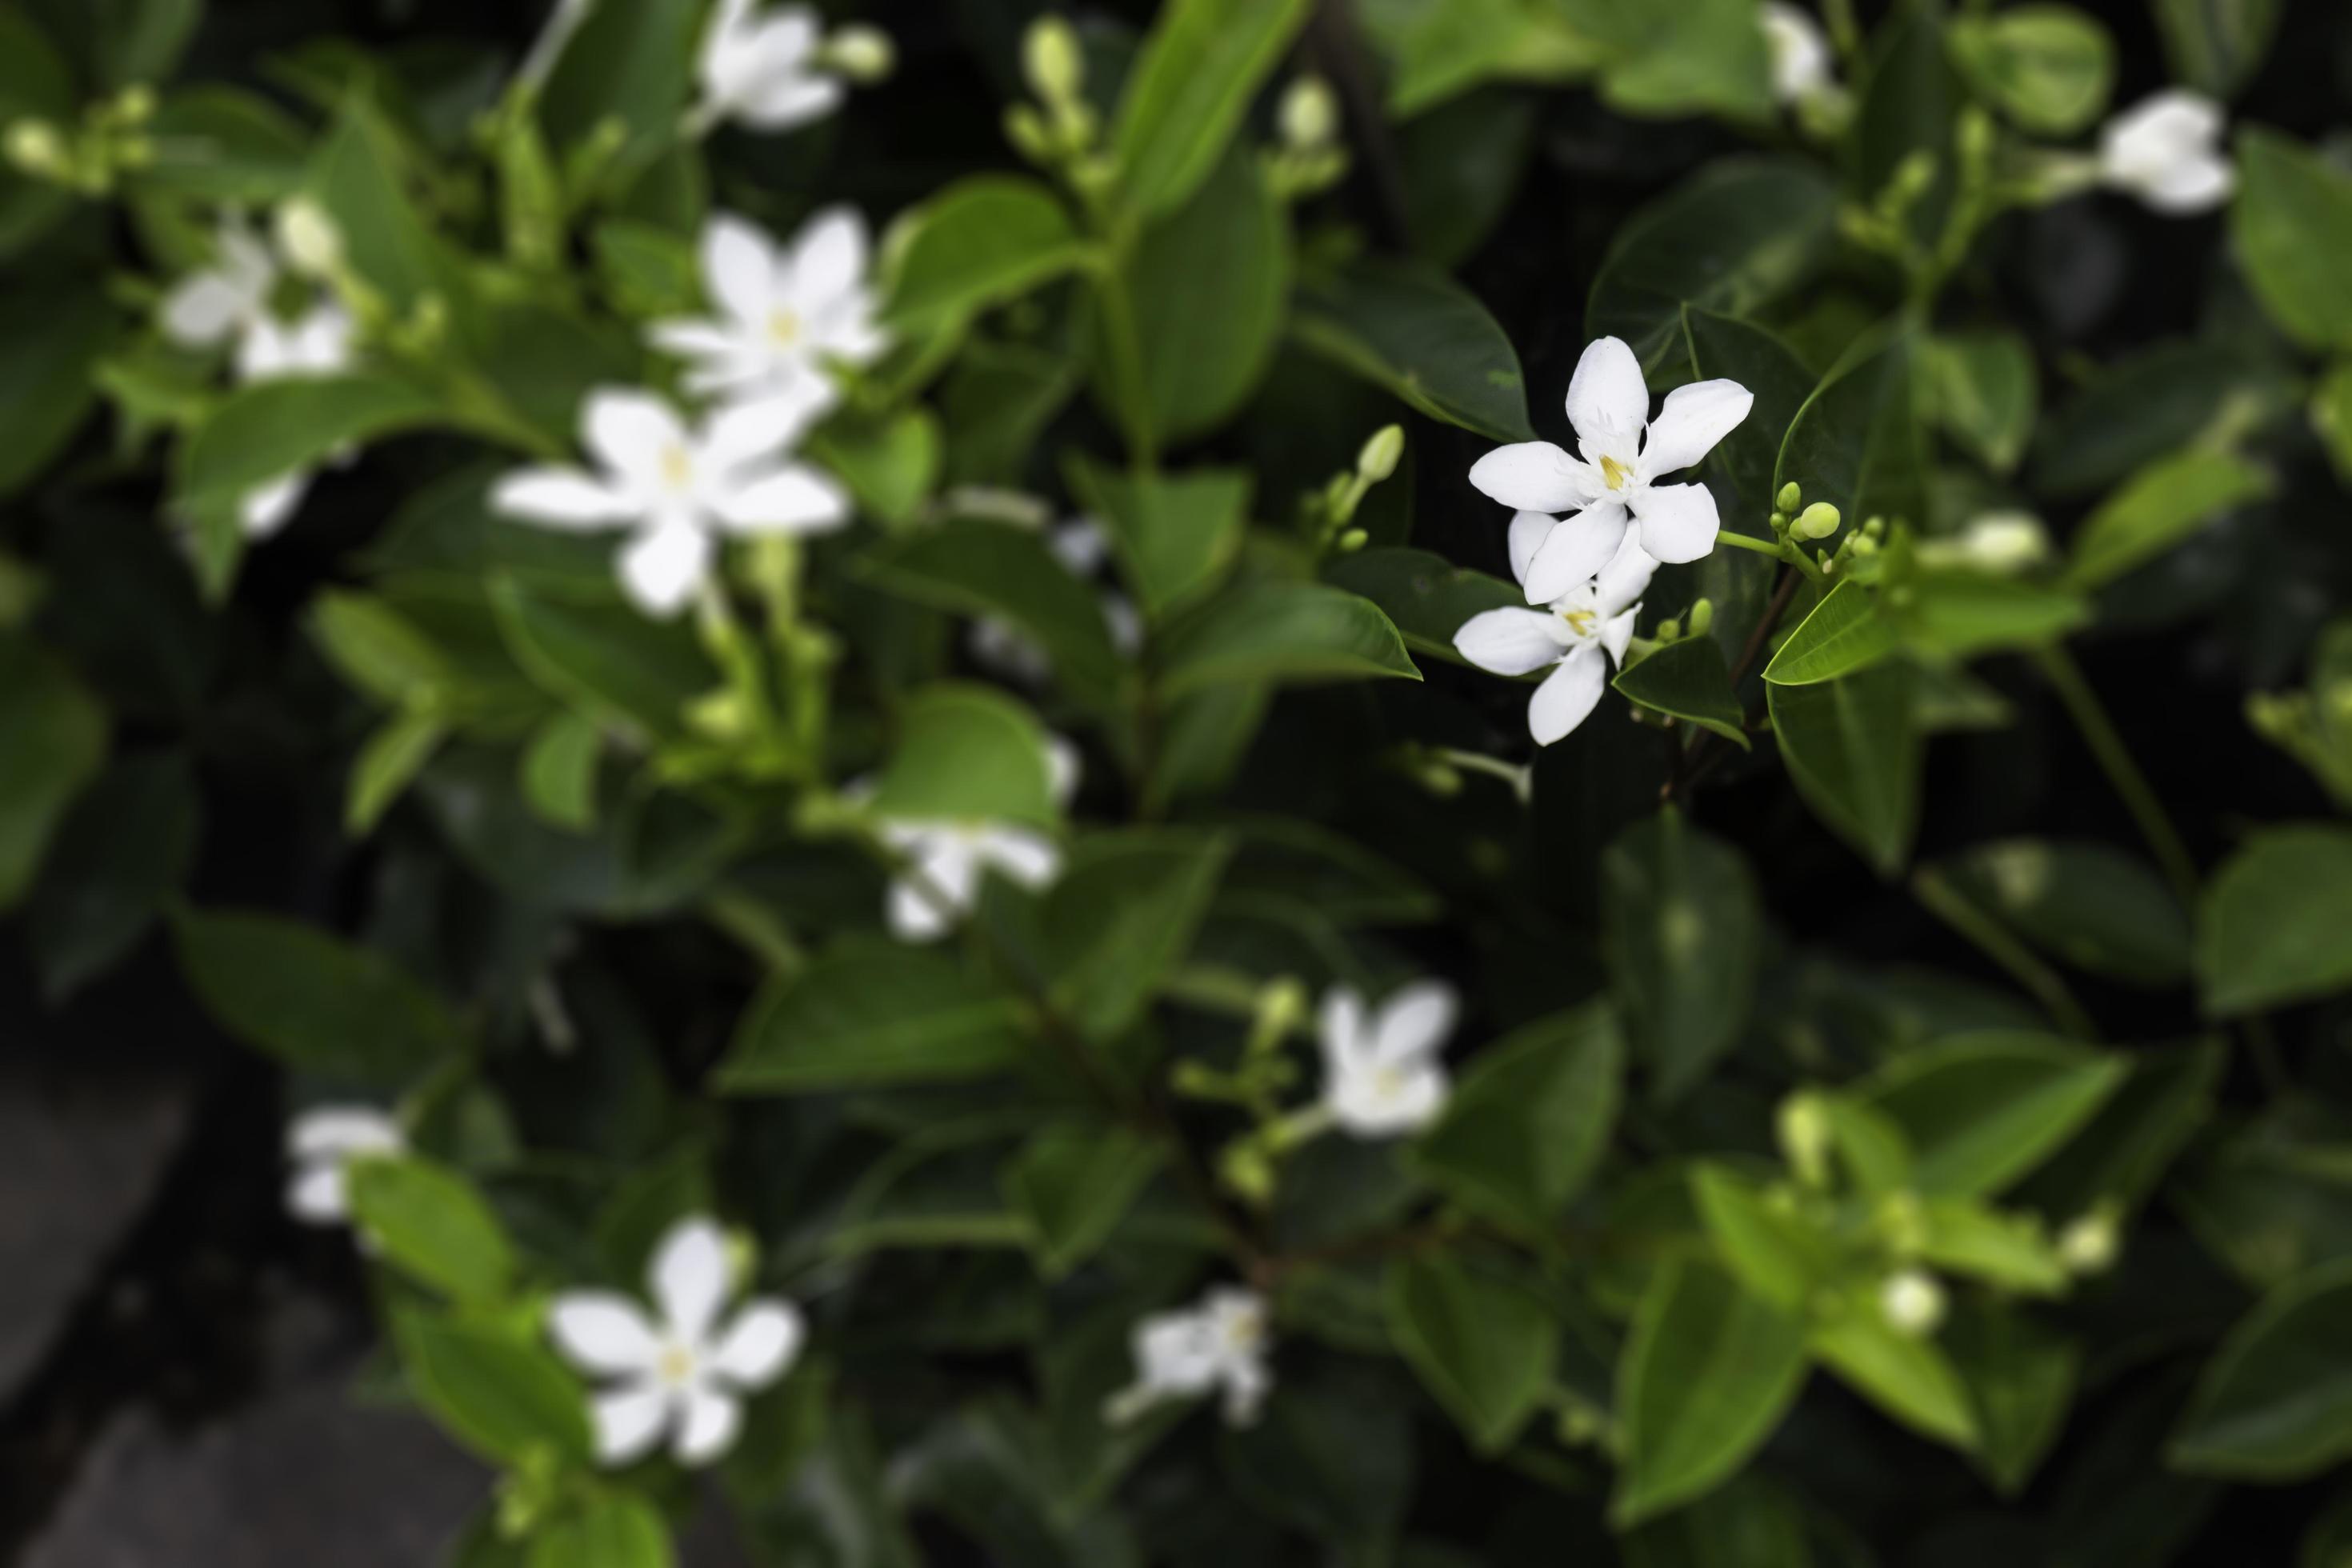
x: 2167, y: 151
x: 676, y: 490
x: 321, y: 1143
x: 227, y: 300
x: 1609, y: 405
x: 785, y: 314
x: 946, y: 859
x: 681, y: 1372
x: 1579, y: 633
x: 1381, y: 1071
x: 1220, y: 1343
x: 1799, y: 51
x: 765, y: 72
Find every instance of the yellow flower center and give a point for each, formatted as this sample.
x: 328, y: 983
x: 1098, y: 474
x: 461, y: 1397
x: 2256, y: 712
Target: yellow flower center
x: 1616, y: 473
x: 675, y: 1365
x: 784, y: 328
x: 677, y: 466
x: 1580, y: 622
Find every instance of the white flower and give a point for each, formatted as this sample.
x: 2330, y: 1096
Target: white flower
x: 682, y: 1372
x: 1222, y: 1343
x: 1082, y: 547
x: 1609, y: 404
x: 317, y: 344
x: 321, y: 1143
x: 946, y: 859
x: 1799, y: 51
x: 1579, y: 633
x: 1912, y: 1301
x: 1381, y: 1075
x: 676, y: 490
x: 786, y: 313
x: 2001, y: 542
x: 764, y: 71
x: 227, y: 299
x: 2166, y: 150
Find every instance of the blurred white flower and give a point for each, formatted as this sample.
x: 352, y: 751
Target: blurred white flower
x: 1912, y: 1301
x: 1613, y: 488
x: 2001, y: 542
x: 321, y: 1144
x: 946, y: 859
x: 223, y: 302
x: 1579, y: 633
x: 676, y: 490
x: 1381, y: 1071
x: 1220, y: 1343
x: 681, y: 1370
x: 317, y: 344
x: 1799, y: 51
x: 2167, y: 151
x: 1082, y: 547
x: 786, y: 314
x: 766, y: 71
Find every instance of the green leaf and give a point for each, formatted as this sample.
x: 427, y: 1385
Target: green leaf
x: 1207, y: 287
x: 2156, y: 509
x: 1439, y: 48
x: 1845, y: 633
x: 1529, y: 1120
x: 388, y: 763
x: 1411, y: 330
x: 980, y: 242
x: 1981, y: 1110
x: 262, y: 432
x: 56, y: 336
x: 359, y: 175
x: 629, y: 65
x: 1191, y: 86
x: 1857, y: 442
x: 1904, y: 1375
x: 120, y: 43
x: 2292, y: 218
x: 1175, y: 533
x: 1852, y: 748
x: 499, y: 1393
x: 2216, y: 45
x: 1483, y: 1345
x: 891, y: 464
x: 1775, y: 1252
x: 588, y: 649
x: 1071, y: 1183
x: 2187, y: 394
x: 871, y: 1013
x: 996, y: 569
x: 2123, y: 1152
x: 2048, y: 68
x: 1708, y: 1372
x: 1268, y: 630
x: 1983, y: 391
x: 2019, y: 1373
x: 2094, y: 907
x: 1688, y: 680
x: 2008, y: 1251
x: 1683, y: 930
x: 56, y: 740
x: 1956, y: 614
x: 1697, y: 57
x: 967, y: 754
x: 2276, y: 1401
x: 1121, y: 914
x: 2276, y: 923
x: 1743, y: 461
x: 1738, y: 235
x: 313, y: 1002
x: 1426, y: 597
x: 117, y: 860
x: 431, y: 1222
x: 224, y: 144
x: 618, y: 1529
x: 559, y: 771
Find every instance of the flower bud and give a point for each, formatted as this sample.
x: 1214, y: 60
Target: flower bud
x: 1669, y: 630
x: 1912, y: 1302
x: 1381, y: 453
x: 37, y: 147
x: 1818, y: 520
x: 136, y: 105
x: 1803, y: 1127
x: 2090, y: 1242
x: 1051, y: 59
x: 309, y: 240
x: 1790, y: 499
x: 1355, y: 539
x: 1702, y: 617
x: 1310, y: 115
x: 862, y: 52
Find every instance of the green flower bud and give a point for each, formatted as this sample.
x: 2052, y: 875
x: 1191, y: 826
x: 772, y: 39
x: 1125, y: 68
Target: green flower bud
x: 1803, y: 1127
x: 1310, y: 115
x: 1051, y: 59
x: 136, y: 105
x: 1818, y: 520
x: 1791, y: 497
x: 309, y: 240
x: 1381, y: 453
x: 1669, y: 630
x: 2090, y: 1242
x: 1355, y: 539
x: 1702, y: 617
x: 862, y: 52
x: 37, y: 147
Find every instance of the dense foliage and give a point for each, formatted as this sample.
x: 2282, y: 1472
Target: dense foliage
x: 944, y: 882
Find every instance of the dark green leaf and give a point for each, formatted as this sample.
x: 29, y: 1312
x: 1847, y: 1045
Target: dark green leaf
x: 1526, y: 1123
x: 1688, y: 680
x: 1175, y: 533
x: 2020, y: 1373
x: 596, y: 654
x: 2276, y: 923
x: 56, y: 336
x: 1982, y: 388
x: 2276, y: 1401
x: 1121, y: 914
x: 2160, y: 506
x: 1852, y: 748
x: 1071, y: 1183
x: 1484, y: 1345
x: 2096, y: 907
x: 1268, y: 630
x: 1904, y: 1375
x: 501, y: 1394
x: 2215, y: 46
x: 1426, y: 597
x: 997, y: 569
x: 1981, y: 1110
x: 616, y: 1530
x: 2292, y: 217
x: 432, y: 1222
x: 1844, y: 634
x: 968, y: 753
x: 1683, y: 929
x: 1411, y: 330
x: 1857, y: 442
x: 55, y: 740
x: 979, y: 243
x: 118, y: 858
x: 266, y: 431
x: 871, y: 1013
x: 2046, y: 67
x: 1191, y: 86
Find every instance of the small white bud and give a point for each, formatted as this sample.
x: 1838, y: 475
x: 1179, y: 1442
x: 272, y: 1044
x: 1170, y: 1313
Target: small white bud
x: 1310, y: 116
x: 1051, y: 59
x: 862, y: 52
x: 1912, y: 1301
x: 2089, y: 1243
x: 1380, y: 454
x: 308, y: 240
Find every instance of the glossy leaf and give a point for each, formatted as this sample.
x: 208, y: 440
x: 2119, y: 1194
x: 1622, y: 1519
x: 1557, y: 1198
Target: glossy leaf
x: 967, y: 753
x: 1527, y: 1121
x: 1981, y: 1110
x: 1412, y: 331
x: 433, y: 1225
x: 1852, y: 748
x: 2293, y: 212
x: 2276, y: 1401
x: 2046, y: 67
x: 1175, y: 534
x: 1071, y: 1183
x: 1121, y: 914
x: 1687, y: 680
x: 1267, y: 630
x: 1857, y: 442
x: 1191, y: 84
x: 1425, y: 596
x: 2159, y: 507
x: 1683, y: 930
x: 2096, y: 907
x: 2277, y: 923
x: 2020, y: 1373
x: 501, y: 1395
x: 873, y: 1014
x: 1905, y: 1375
x: 996, y: 569
x: 979, y: 243
x: 1845, y: 633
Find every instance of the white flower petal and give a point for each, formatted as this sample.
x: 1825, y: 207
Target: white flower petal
x: 1510, y: 642
x: 2158, y: 130
x: 266, y: 508
x: 1693, y: 420
x: 1608, y: 401
x: 339, y: 1132
x: 563, y: 498
x: 1573, y: 552
x: 689, y: 1278
x: 707, y: 1424
x: 795, y: 499
x: 759, y: 1345
x: 1026, y: 857
x: 757, y: 428
x: 1800, y: 50
x: 913, y: 915
x: 692, y: 338
x: 1176, y: 1353
x: 203, y: 311
x: 602, y: 1332
x: 793, y: 101
x: 829, y: 256
x: 2192, y: 186
x: 320, y: 1195
x: 739, y: 266
x: 662, y: 567
x: 1415, y: 1021
x: 1341, y: 1026
x: 1064, y: 767
x: 629, y: 1421
x: 1533, y: 475
x: 1567, y: 695
x: 1623, y: 580
x: 1386, y: 1102
x: 632, y: 434
x: 1617, y: 635
x: 1528, y: 530
x: 1679, y: 522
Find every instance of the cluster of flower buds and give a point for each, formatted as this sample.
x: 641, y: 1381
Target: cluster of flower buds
x: 1329, y: 513
x: 112, y: 139
x: 1310, y: 158
x: 1060, y: 130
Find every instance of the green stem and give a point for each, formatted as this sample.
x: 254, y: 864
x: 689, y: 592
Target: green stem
x: 2115, y: 759
x: 1747, y: 541
x: 1946, y: 903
